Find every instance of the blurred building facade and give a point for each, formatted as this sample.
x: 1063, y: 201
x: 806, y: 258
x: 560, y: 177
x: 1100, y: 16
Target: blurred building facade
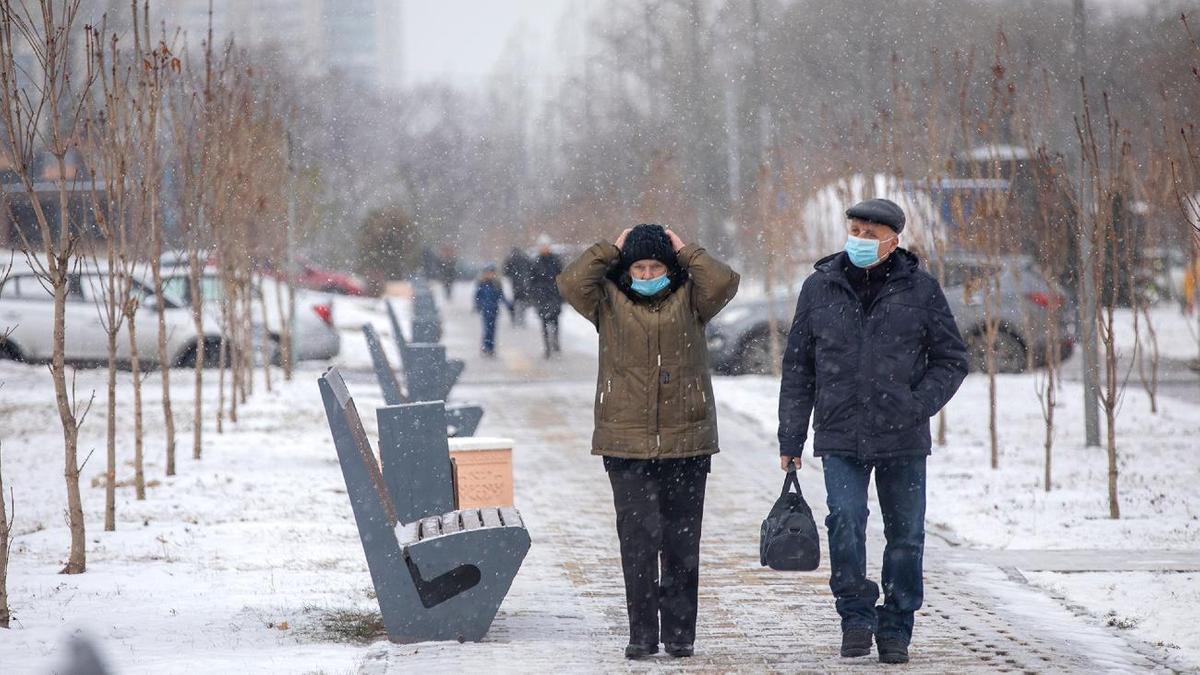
x: 357, y: 39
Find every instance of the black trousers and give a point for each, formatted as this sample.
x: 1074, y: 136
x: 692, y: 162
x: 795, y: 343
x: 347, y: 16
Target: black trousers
x: 660, y: 505
x: 550, y: 334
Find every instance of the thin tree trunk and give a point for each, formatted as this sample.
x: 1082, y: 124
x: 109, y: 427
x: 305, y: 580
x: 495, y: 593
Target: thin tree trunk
x: 222, y: 360
x: 1048, y: 442
x: 164, y: 362
x: 135, y: 367
x: 198, y: 367
x: 1110, y: 413
x: 110, y: 473
x: 5, y: 534
x: 77, y: 559
x: 267, y: 343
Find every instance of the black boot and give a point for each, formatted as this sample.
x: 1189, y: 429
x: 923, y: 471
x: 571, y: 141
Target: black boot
x: 892, y: 650
x: 856, y: 642
x: 636, y: 651
x: 679, y: 649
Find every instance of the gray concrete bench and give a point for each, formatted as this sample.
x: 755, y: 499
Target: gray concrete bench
x: 429, y: 374
x: 427, y: 320
x: 461, y: 420
x: 439, y: 573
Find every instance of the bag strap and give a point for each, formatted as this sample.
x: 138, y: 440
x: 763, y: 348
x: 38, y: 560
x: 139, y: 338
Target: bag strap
x: 789, y: 481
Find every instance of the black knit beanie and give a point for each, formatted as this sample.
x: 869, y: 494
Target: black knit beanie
x: 648, y: 242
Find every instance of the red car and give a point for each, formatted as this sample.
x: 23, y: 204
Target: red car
x: 329, y: 281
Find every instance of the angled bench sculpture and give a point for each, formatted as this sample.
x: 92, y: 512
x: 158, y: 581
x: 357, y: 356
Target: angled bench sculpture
x: 426, y: 368
x: 439, y: 574
x: 427, y: 321
x: 461, y: 420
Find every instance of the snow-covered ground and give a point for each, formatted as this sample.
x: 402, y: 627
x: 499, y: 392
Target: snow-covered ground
x: 1158, y: 607
x: 248, y: 560
x: 1008, y: 508
x: 1177, y: 336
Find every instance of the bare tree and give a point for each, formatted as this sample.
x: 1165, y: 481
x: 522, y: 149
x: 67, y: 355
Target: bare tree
x: 107, y: 151
x: 6, y: 519
x: 158, y: 63
x: 1104, y: 152
x: 6, y: 523
x: 46, y: 113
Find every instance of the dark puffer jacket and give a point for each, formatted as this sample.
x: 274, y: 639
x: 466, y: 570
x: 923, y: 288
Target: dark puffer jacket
x: 872, y: 378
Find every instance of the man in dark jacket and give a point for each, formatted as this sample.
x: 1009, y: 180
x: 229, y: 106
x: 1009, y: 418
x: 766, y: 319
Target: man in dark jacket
x: 517, y: 269
x: 543, y: 293
x: 873, y: 353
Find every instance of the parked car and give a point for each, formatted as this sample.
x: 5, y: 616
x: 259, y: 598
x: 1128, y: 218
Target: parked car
x: 315, y: 337
x: 738, y: 337
x: 26, y: 307
x: 325, y: 280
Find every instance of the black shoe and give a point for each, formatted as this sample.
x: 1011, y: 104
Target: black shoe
x: 636, y: 651
x: 856, y: 642
x: 679, y: 649
x: 892, y: 650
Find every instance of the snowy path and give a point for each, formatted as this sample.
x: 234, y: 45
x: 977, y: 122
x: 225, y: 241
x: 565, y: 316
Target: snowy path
x: 566, y: 610
x: 244, y: 561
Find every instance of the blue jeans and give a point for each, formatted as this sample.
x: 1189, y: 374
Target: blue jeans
x: 489, y: 332
x: 900, y: 484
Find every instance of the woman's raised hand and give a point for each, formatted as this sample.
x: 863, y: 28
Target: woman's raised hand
x: 620, y: 242
x: 676, y: 242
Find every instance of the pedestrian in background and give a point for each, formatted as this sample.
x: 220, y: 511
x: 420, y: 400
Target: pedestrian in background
x: 517, y: 268
x: 489, y: 295
x: 544, y: 293
x: 649, y: 297
x: 448, y: 269
x: 873, y: 353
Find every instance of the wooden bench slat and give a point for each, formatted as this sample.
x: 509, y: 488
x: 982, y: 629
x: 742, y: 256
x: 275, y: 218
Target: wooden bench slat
x: 470, y: 520
x: 491, y: 517
x: 408, y: 533
x: 511, y: 517
x: 431, y: 527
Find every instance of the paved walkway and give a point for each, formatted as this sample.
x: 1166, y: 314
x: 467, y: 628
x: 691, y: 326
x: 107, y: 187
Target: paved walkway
x: 566, y: 609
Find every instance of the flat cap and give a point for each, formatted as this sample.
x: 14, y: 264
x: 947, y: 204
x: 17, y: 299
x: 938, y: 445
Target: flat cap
x: 881, y: 211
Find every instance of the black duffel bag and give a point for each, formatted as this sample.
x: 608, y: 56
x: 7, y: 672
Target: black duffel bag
x: 789, y: 538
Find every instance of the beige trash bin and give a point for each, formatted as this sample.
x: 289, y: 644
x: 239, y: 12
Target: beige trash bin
x: 482, y: 471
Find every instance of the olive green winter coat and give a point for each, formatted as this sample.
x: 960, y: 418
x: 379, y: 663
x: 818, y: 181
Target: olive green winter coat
x: 654, y: 397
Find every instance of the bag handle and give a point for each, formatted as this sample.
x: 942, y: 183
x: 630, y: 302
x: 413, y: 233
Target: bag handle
x: 789, y: 481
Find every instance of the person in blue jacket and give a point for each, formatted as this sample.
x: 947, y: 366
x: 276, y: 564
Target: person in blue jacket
x: 489, y: 295
x: 872, y: 354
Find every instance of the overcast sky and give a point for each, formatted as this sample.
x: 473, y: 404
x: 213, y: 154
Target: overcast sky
x: 461, y: 40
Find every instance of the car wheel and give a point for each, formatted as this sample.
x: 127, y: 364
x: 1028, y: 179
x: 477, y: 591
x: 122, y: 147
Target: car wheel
x: 756, y: 354
x: 9, y: 351
x: 212, y: 351
x: 1010, y: 352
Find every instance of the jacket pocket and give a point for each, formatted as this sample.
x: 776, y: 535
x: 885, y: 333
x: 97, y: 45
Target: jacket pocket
x: 833, y: 410
x: 604, y: 402
x: 695, y: 400
x: 897, y: 408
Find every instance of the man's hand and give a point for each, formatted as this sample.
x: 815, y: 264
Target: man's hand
x: 785, y: 462
x: 676, y: 242
x: 620, y: 242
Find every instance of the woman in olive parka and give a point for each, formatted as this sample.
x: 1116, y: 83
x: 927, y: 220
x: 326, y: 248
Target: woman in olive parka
x: 650, y: 296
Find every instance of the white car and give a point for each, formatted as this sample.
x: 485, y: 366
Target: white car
x: 314, y: 335
x: 27, y: 309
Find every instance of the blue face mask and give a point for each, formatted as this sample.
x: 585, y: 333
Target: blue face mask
x: 863, y: 252
x: 650, y: 287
